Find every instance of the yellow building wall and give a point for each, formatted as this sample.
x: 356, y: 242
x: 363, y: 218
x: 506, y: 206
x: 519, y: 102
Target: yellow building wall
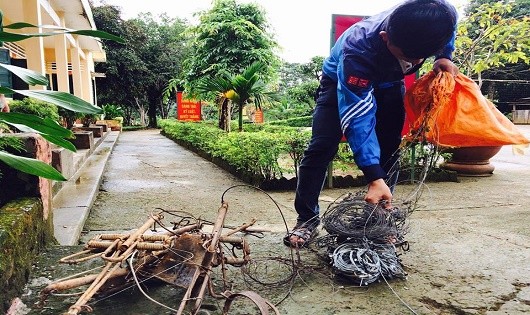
x: 72, y: 54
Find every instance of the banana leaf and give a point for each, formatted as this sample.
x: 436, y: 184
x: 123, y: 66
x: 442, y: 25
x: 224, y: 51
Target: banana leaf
x: 61, y: 99
x: 31, y: 166
x: 28, y: 76
x: 51, y: 138
x: 46, y: 125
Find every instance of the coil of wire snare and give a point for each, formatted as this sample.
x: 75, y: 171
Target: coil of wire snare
x: 365, y: 264
x: 391, y: 266
x: 363, y: 236
x: 354, y: 218
x: 362, y: 265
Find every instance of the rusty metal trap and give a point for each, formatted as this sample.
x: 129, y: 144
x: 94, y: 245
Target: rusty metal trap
x: 183, y: 256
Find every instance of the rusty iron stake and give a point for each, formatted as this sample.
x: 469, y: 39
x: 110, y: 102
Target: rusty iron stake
x: 138, y: 233
x: 201, y: 277
x: 102, y: 277
x: 115, y: 255
x: 77, y: 282
x: 241, y: 228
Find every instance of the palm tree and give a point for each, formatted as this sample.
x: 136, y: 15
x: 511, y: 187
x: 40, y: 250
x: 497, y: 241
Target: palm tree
x: 222, y: 87
x: 249, y: 87
x: 241, y: 89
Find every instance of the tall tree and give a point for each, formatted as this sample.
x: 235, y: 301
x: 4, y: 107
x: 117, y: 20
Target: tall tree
x: 123, y: 63
x: 313, y: 69
x: 137, y: 72
x: 519, y: 7
x: 304, y: 94
x: 289, y: 75
x: 166, y: 49
x: 500, y: 39
x: 298, y: 85
x: 294, y: 74
x: 228, y: 39
x: 508, y: 80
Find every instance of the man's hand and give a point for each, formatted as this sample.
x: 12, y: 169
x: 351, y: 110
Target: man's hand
x: 4, y: 105
x: 377, y: 191
x: 444, y: 64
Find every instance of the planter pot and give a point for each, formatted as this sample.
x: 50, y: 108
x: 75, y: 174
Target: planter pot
x: 472, y: 161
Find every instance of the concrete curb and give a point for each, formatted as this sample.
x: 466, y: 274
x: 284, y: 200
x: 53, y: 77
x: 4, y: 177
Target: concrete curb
x: 71, y: 205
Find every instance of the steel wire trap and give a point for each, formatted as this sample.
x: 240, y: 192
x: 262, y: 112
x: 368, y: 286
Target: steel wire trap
x: 363, y: 239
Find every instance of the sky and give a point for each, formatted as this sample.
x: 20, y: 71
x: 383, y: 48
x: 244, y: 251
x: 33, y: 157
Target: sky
x: 301, y: 27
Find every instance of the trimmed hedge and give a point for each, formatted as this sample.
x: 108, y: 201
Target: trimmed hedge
x: 305, y: 121
x: 252, y: 155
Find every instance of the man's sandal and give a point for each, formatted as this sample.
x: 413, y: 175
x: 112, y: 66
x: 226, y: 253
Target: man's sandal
x: 303, y: 231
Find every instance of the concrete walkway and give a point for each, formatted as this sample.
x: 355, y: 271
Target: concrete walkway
x: 71, y: 205
x: 510, y: 158
x: 469, y: 240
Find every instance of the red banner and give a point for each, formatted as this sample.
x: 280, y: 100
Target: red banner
x: 258, y: 116
x: 188, y: 110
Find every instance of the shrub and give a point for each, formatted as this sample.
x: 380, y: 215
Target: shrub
x: 305, y: 121
x: 297, y: 141
x: 256, y: 153
x: 110, y: 111
x: 69, y: 117
x: 35, y: 107
x: 133, y: 128
x: 88, y: 119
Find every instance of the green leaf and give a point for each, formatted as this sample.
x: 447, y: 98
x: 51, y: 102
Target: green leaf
x: 59, y: 30
x: 53, y: 139
x: 60, y: 142
x: 31, y: 166
x: 62, y: 99
x: 99, y: 34
x: 28, y: 76
x: 11, y: 37
x: 46, y: 125
x: 19, y: 25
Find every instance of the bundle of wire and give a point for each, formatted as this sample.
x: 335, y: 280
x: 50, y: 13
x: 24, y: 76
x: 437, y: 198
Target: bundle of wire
x: 362, y: 239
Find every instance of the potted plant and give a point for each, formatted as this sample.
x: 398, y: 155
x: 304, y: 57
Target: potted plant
x: 471, y: 161
x: 489, y: 37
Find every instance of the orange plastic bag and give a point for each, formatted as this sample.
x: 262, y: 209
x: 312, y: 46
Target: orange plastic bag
x: 451, y: 111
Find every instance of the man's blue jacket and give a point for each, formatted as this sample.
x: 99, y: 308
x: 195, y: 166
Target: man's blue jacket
x: 358, y: 62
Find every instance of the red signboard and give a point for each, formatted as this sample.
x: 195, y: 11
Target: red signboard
x: 258, y: 116
x: 340, y: 23
x: 188, y: 110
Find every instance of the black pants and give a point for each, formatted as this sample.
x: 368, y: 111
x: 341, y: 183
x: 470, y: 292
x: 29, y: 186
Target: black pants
x: 326, y: 135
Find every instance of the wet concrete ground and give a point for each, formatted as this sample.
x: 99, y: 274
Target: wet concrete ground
x: 469, y: 241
